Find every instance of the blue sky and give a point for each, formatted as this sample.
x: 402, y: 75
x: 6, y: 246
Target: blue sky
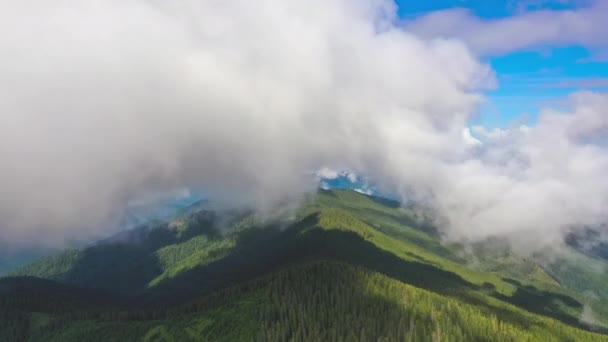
x: 482, y: 8
x: 540, y: 74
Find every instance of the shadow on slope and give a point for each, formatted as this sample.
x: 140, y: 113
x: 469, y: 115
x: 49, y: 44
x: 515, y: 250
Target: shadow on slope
x: 117, y: 267
x: 126, y: 262
x: 26, y: 303
x: 543, y: 302
x: 32, y: 294
x: 320, y: 301
x: 264, y: 250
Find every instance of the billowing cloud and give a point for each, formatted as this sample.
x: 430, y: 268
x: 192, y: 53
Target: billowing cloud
x: 528, y: 29
x: 103, y: 101
x: 106, y: 102
x: 531, y: 184
x: 327, y: 173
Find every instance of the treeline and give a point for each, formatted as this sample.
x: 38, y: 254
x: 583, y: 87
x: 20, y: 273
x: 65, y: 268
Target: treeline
x: 129, y: 261
x: 336, y: 302
x: 321, y: 301
x: 297, y: 294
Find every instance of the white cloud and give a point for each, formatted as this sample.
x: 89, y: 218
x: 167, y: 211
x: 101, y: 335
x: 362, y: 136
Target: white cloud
x: 364, y: 191
x: 531, y: 183
x: 352, y: 177
x: 106, y: 101
x: 327, y: 173
x: 103, y: 101
x: 324, y: 186
x: 528, y: 29
x: 495, y: 133
x: 468, y: 138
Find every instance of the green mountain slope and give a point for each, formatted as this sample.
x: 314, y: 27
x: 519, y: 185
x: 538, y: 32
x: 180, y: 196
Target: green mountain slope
x: 324, y: 301
x: 10, y: 260
x: 343, y: 259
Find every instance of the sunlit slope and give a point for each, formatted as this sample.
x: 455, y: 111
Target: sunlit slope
x: 197, y: 255
x: 522, y: 281
x: 317, y: 301
x: 164, y: 253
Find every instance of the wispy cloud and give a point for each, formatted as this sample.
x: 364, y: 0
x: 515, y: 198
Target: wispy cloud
x: 596, y: 55
x: 523, y: 6
x: 532, y: 83
x: 581, y: 83
x: 528, y: 29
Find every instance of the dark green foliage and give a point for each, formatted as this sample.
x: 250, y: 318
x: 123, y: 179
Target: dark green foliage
x: 322, y: 301
x: 349, y: 267
x: 120, y: 267
x: 128, y: 262
x: 21, y: 298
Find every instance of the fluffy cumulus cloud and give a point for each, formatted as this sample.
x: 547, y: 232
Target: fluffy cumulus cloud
x: 531, y: 184
x: 532, y: 27
x: 105, y: 102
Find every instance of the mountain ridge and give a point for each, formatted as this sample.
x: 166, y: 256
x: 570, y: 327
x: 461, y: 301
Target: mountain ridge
x: 198, y: 260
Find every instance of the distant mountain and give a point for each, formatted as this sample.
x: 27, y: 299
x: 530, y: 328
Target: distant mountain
x: 589, y: 241
x: 12, y: 259
x: 346, y: 266
x: 139, y: 215
x: 141, y: 212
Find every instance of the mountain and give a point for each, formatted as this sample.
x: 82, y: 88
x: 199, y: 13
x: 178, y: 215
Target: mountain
x: 345, y: 266
x: 137, y: 215
x: 13, y: 259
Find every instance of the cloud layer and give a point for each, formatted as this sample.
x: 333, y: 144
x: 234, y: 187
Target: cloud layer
x: 532, y: 184
x: 529, y: 29
x: 105, y: 102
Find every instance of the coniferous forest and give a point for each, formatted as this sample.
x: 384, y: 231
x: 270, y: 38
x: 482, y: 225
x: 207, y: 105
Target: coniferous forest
x: 345, y: 267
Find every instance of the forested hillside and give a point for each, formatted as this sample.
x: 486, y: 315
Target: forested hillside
x: 345, y: 267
